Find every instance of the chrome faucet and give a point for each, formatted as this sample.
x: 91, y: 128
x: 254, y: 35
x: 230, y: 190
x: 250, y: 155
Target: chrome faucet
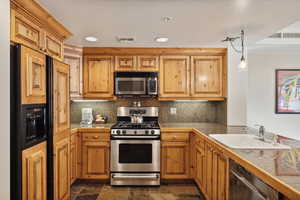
x: 261, y: 132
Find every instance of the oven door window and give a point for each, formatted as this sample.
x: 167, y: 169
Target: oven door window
x: 135, y: 153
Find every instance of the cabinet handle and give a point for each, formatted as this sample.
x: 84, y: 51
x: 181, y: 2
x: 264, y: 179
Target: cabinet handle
x: 96, y: 137
x: 174, y: 137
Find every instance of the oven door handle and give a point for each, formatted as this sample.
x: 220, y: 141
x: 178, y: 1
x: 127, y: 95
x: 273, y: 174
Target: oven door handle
x: 136, y: 177
x: 249, y: 185
x: 136, y: 137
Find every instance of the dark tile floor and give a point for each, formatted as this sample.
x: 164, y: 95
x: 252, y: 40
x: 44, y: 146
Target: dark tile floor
x: 97, y: 191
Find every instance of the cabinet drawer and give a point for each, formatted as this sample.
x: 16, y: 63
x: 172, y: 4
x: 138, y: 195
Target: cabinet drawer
x: 53, y: 47
x: 148, y: 63
x: 175, y: 136
x: 94, y: 137
x: 125, y: 63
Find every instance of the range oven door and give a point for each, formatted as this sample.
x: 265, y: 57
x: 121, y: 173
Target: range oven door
x: 135, y: 155
x: 130, y: 86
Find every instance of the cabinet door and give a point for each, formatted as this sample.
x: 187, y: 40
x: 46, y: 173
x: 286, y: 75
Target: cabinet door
x: 34, y: 185
x: 75, y: 75
x: 61, y: 98
x: 223, y: 174
x: 200, y: 166
x: 25, y: 31
x: 207, y: 76
x: 98, y: 76
x: 95, y: 158
x: 62, y: 169
x: 148, y: 63
x: 175, y: 160
x: 73, y: 157
x: 174, y: 76
x: 209, y: 170
x: 125, y: 63
x: 53, y: 46
x: 33, y: 76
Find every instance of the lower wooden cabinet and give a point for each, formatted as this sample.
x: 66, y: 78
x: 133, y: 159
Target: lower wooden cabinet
x: 62, y: 169
x: 74, y: 150
x: 34, y: 180
x: 175, y: 156
x: 95, y: 155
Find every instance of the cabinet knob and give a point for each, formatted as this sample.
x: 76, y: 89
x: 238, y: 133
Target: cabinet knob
x: 96, y: 137
x: 174, y: 137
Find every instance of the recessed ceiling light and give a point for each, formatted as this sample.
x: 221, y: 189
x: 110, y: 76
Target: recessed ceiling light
x: 91, y: 38
x: 161, y: 39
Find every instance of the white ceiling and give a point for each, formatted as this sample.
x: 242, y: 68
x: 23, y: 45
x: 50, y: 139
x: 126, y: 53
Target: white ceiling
x: 195, y: 22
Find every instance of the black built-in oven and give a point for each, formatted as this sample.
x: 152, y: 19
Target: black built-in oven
x: 142, y: 84
x: 34, y: 125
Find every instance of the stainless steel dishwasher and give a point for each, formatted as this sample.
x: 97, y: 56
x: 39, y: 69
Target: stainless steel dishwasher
x: 246, y: 186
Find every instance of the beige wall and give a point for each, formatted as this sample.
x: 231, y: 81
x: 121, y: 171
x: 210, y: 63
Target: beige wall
x: 4, y: 105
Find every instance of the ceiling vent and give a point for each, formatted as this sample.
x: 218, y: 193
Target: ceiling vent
x: 285, y: 36
x: 125, y: 40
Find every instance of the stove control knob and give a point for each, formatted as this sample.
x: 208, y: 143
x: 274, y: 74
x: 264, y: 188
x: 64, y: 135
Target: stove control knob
x: 146, y: 132
x: 135, y: 132
x: 123, y: 132
x: 152, y: 132
x: 118, y: 132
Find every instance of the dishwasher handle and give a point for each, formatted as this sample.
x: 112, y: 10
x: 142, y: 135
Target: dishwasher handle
x: 249, y: 185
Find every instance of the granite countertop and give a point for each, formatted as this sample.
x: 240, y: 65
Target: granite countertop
x: 283, y: 165
x: 77, y: 125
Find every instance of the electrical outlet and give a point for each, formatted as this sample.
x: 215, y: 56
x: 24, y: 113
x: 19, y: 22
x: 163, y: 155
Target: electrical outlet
x: 173, y: 111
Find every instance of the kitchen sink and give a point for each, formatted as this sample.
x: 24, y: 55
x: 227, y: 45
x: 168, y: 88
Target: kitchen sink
x: 246, y: 141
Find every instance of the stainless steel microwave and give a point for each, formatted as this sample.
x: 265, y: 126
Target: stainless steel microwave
x: 142, y: 84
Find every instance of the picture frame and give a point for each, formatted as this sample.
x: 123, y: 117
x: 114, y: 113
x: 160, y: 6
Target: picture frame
x: 287, y: 86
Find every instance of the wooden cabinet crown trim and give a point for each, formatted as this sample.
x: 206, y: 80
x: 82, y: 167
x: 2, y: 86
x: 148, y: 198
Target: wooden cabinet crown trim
x: 40, y: 14
x: 152, y: 51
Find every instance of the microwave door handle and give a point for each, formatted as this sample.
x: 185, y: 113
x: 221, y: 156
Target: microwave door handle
x: 249, y: 185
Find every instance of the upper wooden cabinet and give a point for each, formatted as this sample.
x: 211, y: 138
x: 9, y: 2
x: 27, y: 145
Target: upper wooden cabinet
x: 125, y: 63
x: 148, y: 63
x: 34, y: 176
x: 32, y: 26
x: 61, y: 98
x: 53, y: 46
x: 25, y: 31
x: 73, y: 57
x: 98, y: 76
x: 137, y: 63
x: 206, y: 76
x: 33, y: 76
x: 174, y: 76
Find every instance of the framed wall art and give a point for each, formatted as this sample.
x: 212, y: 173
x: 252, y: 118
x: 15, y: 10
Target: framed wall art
x: 287, y: 91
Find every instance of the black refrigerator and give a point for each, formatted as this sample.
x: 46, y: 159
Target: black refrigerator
x: 30, y: 124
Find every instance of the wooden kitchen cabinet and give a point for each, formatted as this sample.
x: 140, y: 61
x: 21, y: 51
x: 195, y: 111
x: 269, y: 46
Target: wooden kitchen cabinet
x: 33, y: 76
x: 53, y: 46
x: 95, y: 155
x: 34, y: 27
x: 61, y: 98
x: 148, y: 63
x: 34, y: 172
x: 98, y: 76
x: 73, y: 57
x: 74, y: 157
x: 125, y: 63
x: 174, y: 76
x: 62, y: 169
x: 200, y: 162
x: 206, y: 76
x: 175, y: 156
x: 25, y: 30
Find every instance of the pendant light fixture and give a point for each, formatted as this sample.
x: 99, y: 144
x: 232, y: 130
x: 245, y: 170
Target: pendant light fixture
x: 243, y: 64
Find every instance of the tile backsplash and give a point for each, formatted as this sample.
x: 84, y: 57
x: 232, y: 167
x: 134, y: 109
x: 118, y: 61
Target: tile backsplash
x: 186, y: 111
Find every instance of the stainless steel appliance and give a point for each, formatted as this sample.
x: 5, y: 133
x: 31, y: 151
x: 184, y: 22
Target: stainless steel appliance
x: 245, y: 185
x: 142, y: 84
x: 135, y: 148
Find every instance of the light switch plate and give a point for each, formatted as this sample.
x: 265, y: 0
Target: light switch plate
x: 173, y: 111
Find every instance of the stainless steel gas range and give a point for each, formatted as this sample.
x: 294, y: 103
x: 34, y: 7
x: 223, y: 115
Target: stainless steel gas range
x: 135, y: 147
